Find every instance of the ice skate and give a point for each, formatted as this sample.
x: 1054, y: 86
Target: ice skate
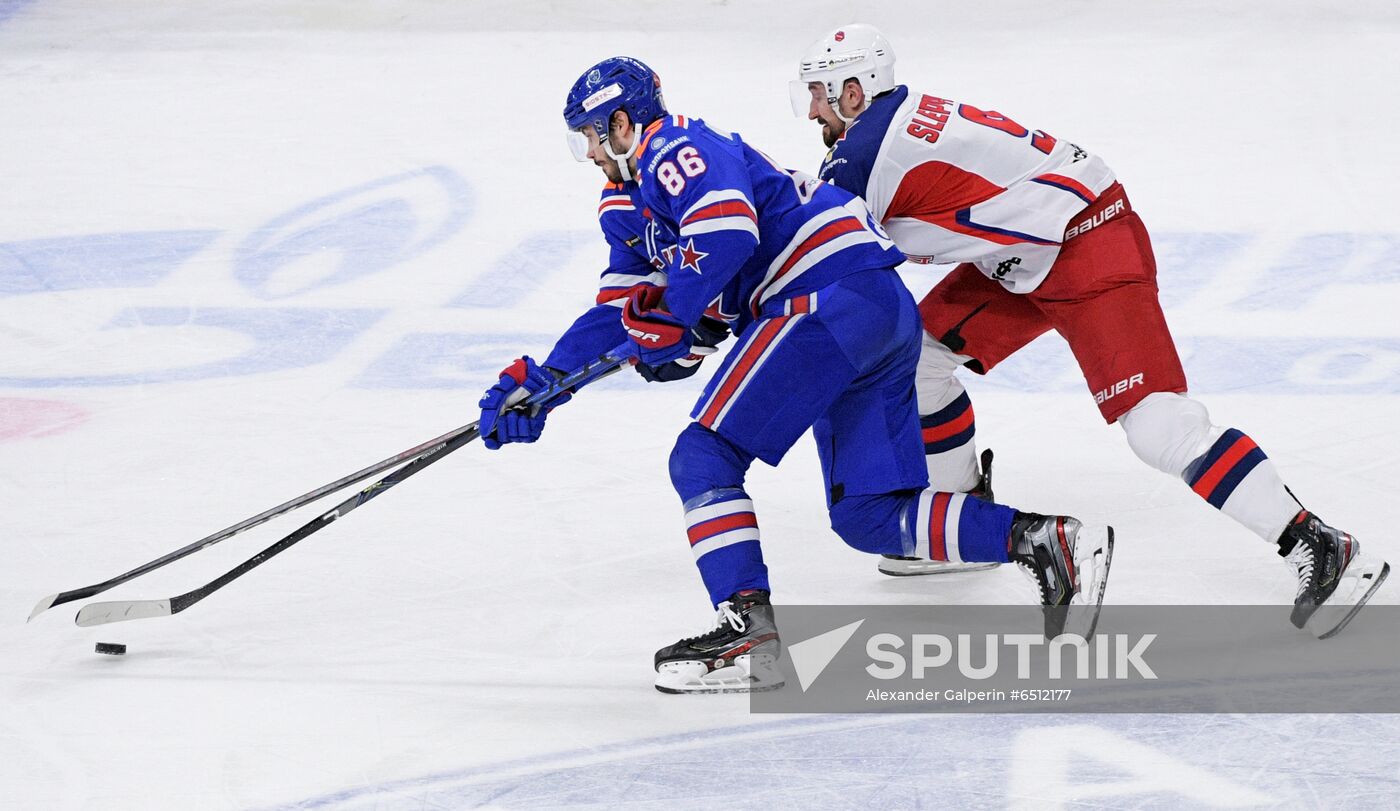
x: 1334, y: 579
x: 1068, y: 560
x: 901, y: 566
x: 739, y: 656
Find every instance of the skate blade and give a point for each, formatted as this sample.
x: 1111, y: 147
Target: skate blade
x: 1082, y: 615
x: 1333, y: 615
x: 748, y: 674
x: 899, y: 567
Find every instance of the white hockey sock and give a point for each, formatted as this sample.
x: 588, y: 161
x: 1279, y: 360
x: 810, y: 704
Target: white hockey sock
x: 949, y: 448
x: 1174, y: 434
x: 946, y: 420
x: 1236, y: 477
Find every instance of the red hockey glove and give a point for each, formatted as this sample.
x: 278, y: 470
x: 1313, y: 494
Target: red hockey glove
x: 661, y: 336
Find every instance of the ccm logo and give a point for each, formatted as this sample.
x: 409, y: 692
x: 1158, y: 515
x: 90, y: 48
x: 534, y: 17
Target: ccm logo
x: 650, y: 336
x: 1117, y: 388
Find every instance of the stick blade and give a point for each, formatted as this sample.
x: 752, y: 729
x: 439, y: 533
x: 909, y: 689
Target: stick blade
x: 42, y: 606
x: 120, y: 611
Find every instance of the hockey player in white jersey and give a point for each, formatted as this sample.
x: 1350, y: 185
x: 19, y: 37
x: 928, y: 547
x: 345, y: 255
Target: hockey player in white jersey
x: 1046, y: 238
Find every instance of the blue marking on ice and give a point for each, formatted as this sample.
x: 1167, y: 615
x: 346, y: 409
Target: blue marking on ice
x: 1317, y: 261
x: 281, y: 340
x: 524, y: 269
x: 1188, y: 261
x: 132, y: 259
x: 446, y: 360
x: 374, y: 226
x: 381, y: 223
x: 9, y: 8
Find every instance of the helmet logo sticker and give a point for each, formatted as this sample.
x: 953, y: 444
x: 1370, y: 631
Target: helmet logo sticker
x: 612, y: 91
x: 594, y: 77
x: 840, y: 35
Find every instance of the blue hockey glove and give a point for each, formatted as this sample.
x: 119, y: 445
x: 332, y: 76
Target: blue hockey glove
x: 501, y: 422
x: 704, y: 339
x: 661, y: 336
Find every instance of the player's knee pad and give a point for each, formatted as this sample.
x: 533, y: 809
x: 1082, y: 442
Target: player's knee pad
x: 1168, y: 430
x: 934, y: 381
x: 702, y: 460
x: 871, y: 523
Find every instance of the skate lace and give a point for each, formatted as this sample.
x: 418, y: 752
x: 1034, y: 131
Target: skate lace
x: 1303, y: 560
x: 1041, y: 587
x: 727, y: 614
x: 724, y: 615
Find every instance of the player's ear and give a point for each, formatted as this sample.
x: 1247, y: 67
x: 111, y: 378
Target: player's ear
x: 621, y: 132
x: 620, y: 124
x: 853, y: 94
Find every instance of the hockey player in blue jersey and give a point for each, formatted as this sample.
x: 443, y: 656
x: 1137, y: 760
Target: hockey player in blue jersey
x: 827, y: 339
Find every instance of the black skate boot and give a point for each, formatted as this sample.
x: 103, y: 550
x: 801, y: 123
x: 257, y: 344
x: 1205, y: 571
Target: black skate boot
x: 902, y: 566
x: 1334, y: 579
x: 738, y: 656
x: 1069, y: 562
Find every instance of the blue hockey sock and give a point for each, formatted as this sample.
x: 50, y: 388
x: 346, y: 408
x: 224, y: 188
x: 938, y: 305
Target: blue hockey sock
x: 723, y: 532
x: 957, y: 527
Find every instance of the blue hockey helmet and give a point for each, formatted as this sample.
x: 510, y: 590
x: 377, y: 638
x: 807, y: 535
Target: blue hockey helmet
x: 616, y: 83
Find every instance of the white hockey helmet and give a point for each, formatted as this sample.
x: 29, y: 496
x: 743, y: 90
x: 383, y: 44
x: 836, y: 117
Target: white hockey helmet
x: 856, y: 51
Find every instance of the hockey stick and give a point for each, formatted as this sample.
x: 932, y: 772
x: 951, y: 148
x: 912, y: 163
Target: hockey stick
x: 119, y: 610
x: 261, y: 518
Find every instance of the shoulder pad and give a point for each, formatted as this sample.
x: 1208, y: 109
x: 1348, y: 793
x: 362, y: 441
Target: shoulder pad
x: 665, y: 126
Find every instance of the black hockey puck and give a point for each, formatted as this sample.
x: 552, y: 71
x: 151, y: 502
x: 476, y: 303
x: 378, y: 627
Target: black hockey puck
x: 112, y: 648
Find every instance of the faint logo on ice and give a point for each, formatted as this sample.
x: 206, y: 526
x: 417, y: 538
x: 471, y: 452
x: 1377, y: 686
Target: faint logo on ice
x: 151, y: 306
x: 22, y: 418
x: 1119, y: 761
x: 9, y: 8
x: 353, y: 233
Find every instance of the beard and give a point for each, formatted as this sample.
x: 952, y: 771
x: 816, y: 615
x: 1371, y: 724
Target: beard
x: 831, y: 134
x: 610, y: 169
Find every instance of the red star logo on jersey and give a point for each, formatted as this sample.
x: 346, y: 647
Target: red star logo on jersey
x: 690, y: 257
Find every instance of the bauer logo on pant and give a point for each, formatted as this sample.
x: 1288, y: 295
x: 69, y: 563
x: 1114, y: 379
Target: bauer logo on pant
x: 1118, y: 388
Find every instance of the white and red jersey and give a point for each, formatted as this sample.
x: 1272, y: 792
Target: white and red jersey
x: 954, y: 183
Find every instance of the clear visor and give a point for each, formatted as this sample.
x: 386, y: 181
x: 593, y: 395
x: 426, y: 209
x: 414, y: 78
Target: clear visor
x: 579, y: 143
x: 800, y: 93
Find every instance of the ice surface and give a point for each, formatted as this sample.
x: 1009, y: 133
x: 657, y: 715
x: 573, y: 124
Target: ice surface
x: 246, y: 248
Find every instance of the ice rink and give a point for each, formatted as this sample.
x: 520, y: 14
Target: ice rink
x: 249, y: 247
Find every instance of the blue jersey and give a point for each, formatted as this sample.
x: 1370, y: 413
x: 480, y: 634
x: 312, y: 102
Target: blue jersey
x: 621, y: 217
x: 744, y: 234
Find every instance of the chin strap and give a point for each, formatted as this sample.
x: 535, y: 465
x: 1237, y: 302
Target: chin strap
x: 835, y: 104
x: 621, y: 160
x: 836, y: 110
